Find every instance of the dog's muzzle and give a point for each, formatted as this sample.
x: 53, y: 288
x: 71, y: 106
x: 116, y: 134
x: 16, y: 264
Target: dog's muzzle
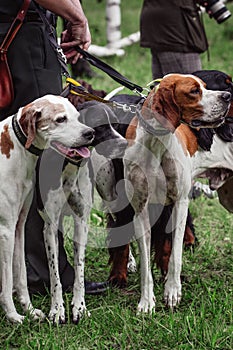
x: 226, y: 98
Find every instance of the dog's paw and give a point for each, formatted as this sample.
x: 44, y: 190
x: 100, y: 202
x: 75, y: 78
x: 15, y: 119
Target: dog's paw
x: 57, y: 314
x: 118, y: 281
x: 146, y: 305
x: 14, y: 317
x: 79, y: 312
x: 172, y: 294
x: 37, y: 314
x: 132, y: 265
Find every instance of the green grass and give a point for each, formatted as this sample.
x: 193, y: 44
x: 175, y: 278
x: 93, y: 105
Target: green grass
x: 204, y: 319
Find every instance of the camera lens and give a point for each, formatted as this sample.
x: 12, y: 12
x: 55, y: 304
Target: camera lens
x: 219, y: 11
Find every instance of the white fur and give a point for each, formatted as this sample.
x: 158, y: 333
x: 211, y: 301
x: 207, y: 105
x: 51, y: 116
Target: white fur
x: 17, y: 183
x: 143, y: 170
x: 219, y: 156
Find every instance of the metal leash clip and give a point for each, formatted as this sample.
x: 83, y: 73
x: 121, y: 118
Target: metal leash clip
x: 61, y: 53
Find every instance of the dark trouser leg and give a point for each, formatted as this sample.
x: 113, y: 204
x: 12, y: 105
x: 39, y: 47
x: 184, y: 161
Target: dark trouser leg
x: 174, y: 62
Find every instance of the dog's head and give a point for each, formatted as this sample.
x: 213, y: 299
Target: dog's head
x: 53, y: 121
x: 184, y: 98
x: 103, y: 120
x: 217, y: 80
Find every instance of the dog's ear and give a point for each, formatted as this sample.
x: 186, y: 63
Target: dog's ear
x: 162, y: 102
x: 28, y: 121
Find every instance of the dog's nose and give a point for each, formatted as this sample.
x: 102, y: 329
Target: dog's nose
x: 89, y: 134
x: 226, y: 96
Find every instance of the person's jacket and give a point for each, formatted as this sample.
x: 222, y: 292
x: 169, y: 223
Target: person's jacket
x: 172, y: 25
x: 11, y: 7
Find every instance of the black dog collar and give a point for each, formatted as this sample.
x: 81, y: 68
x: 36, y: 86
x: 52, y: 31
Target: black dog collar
x: 22, y: 137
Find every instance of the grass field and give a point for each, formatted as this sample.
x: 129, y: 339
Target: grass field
x: 204, y: 319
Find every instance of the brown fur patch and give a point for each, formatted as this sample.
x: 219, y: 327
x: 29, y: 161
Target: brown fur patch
x: 119, y: 259
x: 36, y: 115
x: 131, y: 131
x: 230, y: 112
x: 189, y: 238
x: 6, y: 143
x: 187, y: 139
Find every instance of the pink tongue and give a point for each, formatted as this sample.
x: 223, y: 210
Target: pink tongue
x: 82, y: 151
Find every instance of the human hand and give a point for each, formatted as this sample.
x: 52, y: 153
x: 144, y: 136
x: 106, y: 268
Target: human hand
x: 77, y: 34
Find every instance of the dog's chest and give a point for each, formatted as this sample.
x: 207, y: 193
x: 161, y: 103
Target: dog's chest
x: 220, y: 156
x: 77, y: 187
x: 69, y: 178
x: 162, y: 171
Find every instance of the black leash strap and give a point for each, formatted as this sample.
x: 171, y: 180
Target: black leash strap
x: 114, y: 74
x: 50, y: 31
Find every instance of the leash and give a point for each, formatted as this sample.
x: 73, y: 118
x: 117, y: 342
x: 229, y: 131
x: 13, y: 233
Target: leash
x: 113, y: 73
x: 50, y: 32
x: 75, y: 88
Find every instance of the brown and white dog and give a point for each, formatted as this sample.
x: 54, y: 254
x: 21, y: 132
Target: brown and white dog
x: 50, y: 120
x: 211, y: 153
x: 158, y: 168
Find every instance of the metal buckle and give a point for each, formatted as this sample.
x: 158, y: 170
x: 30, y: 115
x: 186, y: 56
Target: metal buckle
x: 61, y: 53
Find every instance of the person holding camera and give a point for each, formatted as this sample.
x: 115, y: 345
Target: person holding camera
x: 172, y: 29
x: 174, y: 32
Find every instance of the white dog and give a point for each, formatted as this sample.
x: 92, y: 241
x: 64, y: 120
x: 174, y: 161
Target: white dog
x: 48, y: 120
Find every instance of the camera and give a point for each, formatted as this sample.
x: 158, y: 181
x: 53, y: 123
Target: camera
x: 216, y: 9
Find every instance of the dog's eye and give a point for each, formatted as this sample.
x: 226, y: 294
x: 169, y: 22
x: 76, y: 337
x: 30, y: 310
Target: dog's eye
x: 61, y: 119
x: 195, y: 91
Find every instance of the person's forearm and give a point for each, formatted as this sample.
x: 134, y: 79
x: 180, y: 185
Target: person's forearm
x: 68, y: 9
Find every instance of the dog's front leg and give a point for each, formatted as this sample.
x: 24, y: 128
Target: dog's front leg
x: 57, y: 310
x: 80, y: 241
x: 6, y: 277
x: 51, y: 215
x: 80, y: 202
x: 137, y: 189
x: 172, y: 292
x: 143, y: 236
x: 19, y: 267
